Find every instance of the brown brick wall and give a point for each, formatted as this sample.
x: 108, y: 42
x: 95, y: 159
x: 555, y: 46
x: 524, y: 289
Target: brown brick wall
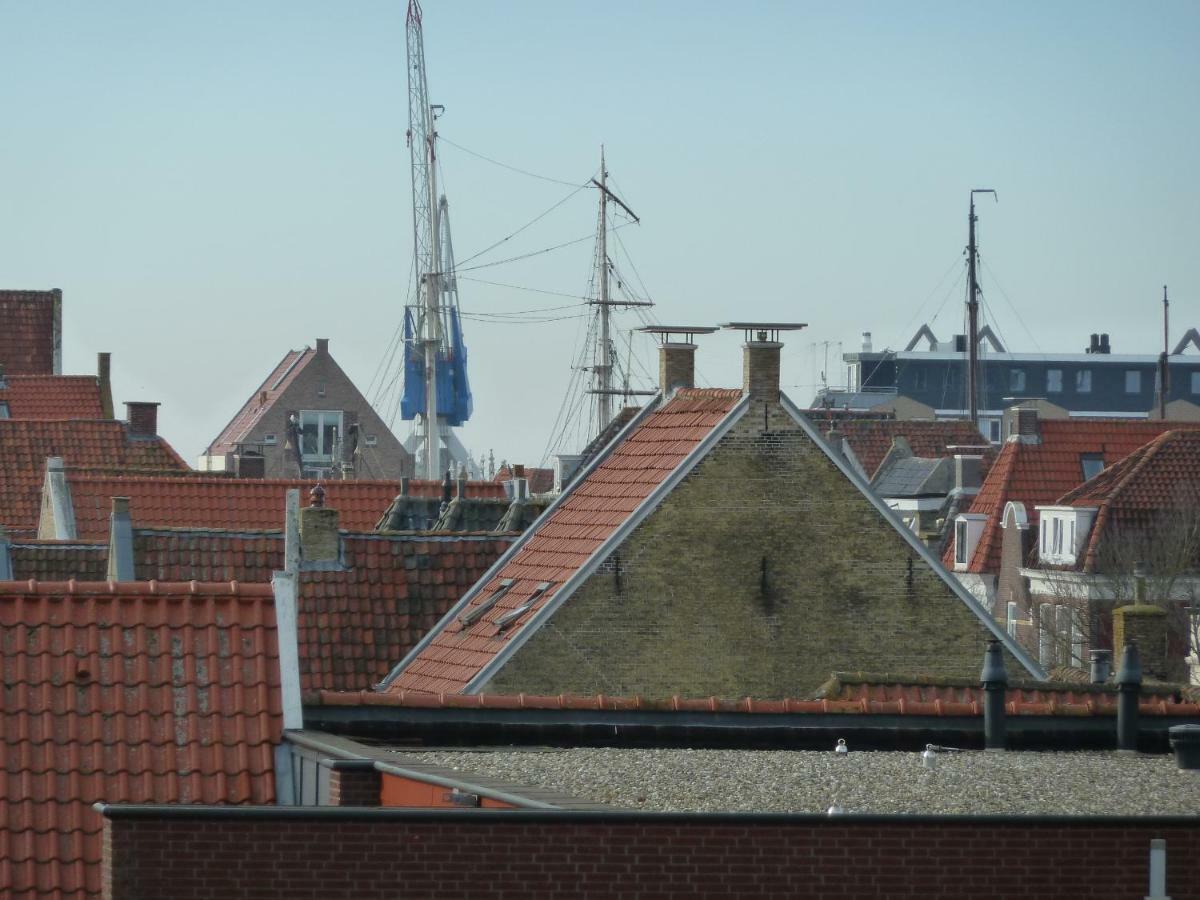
x: 387, y: 460
x: 760, y: 575
x: 354, y: 787
x: 1010, y: 586
x: 530, y: 856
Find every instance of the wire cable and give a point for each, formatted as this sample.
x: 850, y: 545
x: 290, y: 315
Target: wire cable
x: 497, y: 162
x: 531, y: 222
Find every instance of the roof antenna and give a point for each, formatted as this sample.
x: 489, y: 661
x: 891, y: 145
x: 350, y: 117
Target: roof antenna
x: 1163, y: 372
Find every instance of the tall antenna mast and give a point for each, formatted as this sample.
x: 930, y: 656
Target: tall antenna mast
x: 973, y: 311
x: 1164, y: 373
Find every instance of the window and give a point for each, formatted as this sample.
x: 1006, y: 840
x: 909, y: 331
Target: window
x: 1092, y: 464
x: 1076, y: 643
x: 1016, y: 380
x: 372, y: 440
x: 960, y: 543
x: 1083, y: 381
x: 3, y: 410
x: 1054, y: 381
x: 1056, y: 536
x: 1196, y: 382
x: 320, y: 431
x: 270, y: 438
x: 1133, y: 381
x: 919, y: 380
x: 1011, y: 623
x: 1046, y: 634
x: 1062, y: 628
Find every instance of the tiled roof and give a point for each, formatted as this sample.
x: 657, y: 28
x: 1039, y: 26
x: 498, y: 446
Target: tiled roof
x: 27, y: 332
x: 234, y: 504
x: 898, y: 699
x: 25, y: 445
x: 163, y: 554
x: 419, y: 508
x: 1142, y: 492
x: 59, y: 561
x: 355, y: 624
x: 1040, y: 473
x: 262, y: 400
x: 540, y: 480
x: 587, y: 515
x: 871, y: 439
x: 130, y: 693
x: 52, y: 396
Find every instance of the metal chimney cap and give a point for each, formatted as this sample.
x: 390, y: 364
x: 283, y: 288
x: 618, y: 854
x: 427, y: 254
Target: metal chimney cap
x: 767, y: 331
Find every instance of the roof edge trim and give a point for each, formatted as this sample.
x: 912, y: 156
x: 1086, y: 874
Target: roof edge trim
x: 452, y: 614
x: 614, y: 540
x: 921, y: 550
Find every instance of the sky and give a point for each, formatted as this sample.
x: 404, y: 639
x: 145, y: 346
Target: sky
x: 213, y: 184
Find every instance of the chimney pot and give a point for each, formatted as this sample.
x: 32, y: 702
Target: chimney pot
x: 142, y: 417
x: 317, y: 496
x: 322, y: 345
x: 866, y: 345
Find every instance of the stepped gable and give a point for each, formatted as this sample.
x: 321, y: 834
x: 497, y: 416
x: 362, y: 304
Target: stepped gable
x: 127, y: 693
x: 51, y: 396
x: 31, y: 336
x: 1038, y: 473
x: 590, y: 513
x: 871, y: 439
x: 26, y: 444
x: 356, y: 622
x: 1142, y: 492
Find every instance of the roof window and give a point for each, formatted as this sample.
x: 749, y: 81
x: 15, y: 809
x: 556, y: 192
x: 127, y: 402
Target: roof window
x: 4, y: 414
x: 1092, y: 464
x: 514, y: 614
x: 471, y: 616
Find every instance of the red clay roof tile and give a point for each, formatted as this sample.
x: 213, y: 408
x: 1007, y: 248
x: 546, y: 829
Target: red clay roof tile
x: 1144, y: 492
x: 27, y: 331
x: 572, y: 533
x: 129, y: 693
x: 281, y: 377
x: 25, y: 445
x: 1039, y: 473
x: 52, y: 396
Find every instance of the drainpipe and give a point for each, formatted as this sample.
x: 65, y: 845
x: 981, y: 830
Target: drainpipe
x: 995, y: 684
x: 1129, y: 683
x: 1158, y: 870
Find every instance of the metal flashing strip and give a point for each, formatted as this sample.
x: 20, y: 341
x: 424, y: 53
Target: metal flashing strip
x: 921, y: 550
x: 498, y: 566
x: 610, y: 543
x: 582, y: 816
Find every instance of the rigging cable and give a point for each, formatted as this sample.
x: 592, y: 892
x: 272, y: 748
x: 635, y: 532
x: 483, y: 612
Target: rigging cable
x: 500, y: 262
x: 1011, y: 305
x: 497, y: 162
x: 528, y: 224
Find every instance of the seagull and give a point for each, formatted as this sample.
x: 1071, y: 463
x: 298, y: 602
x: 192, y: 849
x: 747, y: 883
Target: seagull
x: 929, y: 757
x: 841, y: 746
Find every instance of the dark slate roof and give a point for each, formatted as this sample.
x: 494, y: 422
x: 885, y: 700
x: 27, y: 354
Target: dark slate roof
x: 916, y: 477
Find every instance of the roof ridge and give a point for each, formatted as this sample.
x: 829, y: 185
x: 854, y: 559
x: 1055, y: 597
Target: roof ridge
x: 126, y: 588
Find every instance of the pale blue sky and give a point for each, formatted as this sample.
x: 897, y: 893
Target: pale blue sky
x: 212, y: 184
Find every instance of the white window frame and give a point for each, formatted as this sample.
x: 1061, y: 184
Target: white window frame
x: 1083, y: 381
x: 1054, y: 381
x: 1133, y: 381
x: 960, y: 543
x: 1010, y: 624
x: 1016, y: 380
x: 323, y: 419
x: 270, y: 439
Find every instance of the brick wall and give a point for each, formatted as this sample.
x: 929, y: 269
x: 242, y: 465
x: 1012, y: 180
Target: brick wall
x: 1015, y: 544
x: 531, y: 855
x: 354, y: 786
x: 761, y: 574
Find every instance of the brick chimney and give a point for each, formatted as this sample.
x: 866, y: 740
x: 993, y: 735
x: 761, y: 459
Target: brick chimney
x: 760, y: 357
x: 142, y: 417
x: 104, y: 376
x: 676, y: 354
x: 323, y: 346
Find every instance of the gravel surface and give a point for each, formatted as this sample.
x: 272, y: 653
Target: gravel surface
x: 864, y: 782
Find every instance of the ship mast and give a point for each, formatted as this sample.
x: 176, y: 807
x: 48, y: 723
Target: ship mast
x: 973, y: 312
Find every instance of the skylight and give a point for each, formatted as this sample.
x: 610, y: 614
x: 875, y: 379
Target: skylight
x: 514, y: 614
x: 471, y: 616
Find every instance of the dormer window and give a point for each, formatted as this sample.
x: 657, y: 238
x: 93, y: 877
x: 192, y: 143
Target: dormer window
x: 1063, y: 532
x: 968, y: 529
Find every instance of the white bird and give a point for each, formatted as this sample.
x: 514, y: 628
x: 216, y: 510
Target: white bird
x: 834, y: 810
x: 841, y: 746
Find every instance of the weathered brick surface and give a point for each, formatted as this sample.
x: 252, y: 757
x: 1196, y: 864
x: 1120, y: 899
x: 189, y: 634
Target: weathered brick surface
x: 763, y: 572
x: 449, y: 855
x: 354, y: 787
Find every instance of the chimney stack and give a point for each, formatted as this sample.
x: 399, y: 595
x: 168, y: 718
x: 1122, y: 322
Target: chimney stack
x: 104, y: 375
x: 320, y: 543
x: 676, y: 358
x: 866, y: 347
x: 323, y: 346
x: 120, y: 541
x: 760, y: 359
x: 142, y: 417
